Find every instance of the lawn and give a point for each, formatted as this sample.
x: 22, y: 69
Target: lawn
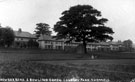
x: 26, y: 70
x: 34, y: 54
x: 35, y: 63
x: 42, y: 55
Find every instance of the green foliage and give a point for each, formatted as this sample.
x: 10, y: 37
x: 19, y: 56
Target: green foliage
x: 6, y: 36
x: 83, y: 23
x: 42, y: 28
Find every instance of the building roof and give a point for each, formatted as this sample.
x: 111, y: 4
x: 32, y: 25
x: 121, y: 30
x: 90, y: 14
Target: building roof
x: 115, y: 43
x: 48, y: 37
x: 107, y: 43
x: 24, y: 34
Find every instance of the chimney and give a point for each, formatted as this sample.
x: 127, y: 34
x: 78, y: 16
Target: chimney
x: 19, y: 30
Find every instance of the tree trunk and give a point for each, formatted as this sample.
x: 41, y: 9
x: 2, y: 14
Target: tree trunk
x: 84, y: 46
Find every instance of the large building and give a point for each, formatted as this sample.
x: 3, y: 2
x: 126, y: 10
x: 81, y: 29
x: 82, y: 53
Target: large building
x: 47, y: 42
x: 22, y: 38
x: 105, y: 46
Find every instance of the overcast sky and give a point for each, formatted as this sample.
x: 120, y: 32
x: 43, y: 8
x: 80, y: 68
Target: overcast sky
x: 26, y: 13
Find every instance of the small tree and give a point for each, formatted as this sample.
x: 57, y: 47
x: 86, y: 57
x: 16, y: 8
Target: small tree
x: 32, y: 44
x: 83, y: 23
x: 42, y: 28
x: 1, y: 37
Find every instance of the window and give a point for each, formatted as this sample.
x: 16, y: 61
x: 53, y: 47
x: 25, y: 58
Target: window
x: 46, y: 42
x: 46, y: 47
x: 58, y: 47
x: 17, y: 38
x: 49, y: 46
x: 57, y: 42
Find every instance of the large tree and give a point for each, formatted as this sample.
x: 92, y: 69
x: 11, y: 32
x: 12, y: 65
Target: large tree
x: 83, y: 23
x: 42, y: 29
x: 6, y: 36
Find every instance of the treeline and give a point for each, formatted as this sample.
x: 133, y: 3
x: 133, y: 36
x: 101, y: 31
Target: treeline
x: 6, y: 36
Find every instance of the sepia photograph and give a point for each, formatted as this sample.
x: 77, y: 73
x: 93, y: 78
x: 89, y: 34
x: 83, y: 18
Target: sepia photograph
x: 67, y: 41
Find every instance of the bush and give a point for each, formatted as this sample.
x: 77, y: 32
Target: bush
x: 33, y: 44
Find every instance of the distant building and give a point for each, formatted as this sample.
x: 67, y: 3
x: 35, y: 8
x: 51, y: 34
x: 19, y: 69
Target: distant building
x: 47, y: 42
x: 104, y: 46
x: 22, y: 38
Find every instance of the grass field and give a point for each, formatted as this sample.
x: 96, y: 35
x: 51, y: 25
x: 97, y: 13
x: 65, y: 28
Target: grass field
x: 35, y: 63
x: 42, y: 55
x: 27, y: 70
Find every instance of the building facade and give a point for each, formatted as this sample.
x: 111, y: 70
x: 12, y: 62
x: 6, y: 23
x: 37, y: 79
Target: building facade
x: 47, y: 42
x: 22, y: 38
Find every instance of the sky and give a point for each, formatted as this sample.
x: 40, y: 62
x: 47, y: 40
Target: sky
x: 25, y: 14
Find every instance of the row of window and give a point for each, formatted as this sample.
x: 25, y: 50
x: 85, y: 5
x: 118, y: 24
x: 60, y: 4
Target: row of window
x: 19, y: 38
x: 50, y: 42
x: 89, y: 49
x: 94, y: 49
x: 69, y: 44
x: 60, y: 43
x: 51, y: 47
x: 22, y: 39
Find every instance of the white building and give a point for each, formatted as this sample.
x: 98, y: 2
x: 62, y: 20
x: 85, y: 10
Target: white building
x: 47, y: 42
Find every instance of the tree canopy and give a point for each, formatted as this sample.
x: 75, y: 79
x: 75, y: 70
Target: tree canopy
x: 83, y: 23
x: 42, y: 28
